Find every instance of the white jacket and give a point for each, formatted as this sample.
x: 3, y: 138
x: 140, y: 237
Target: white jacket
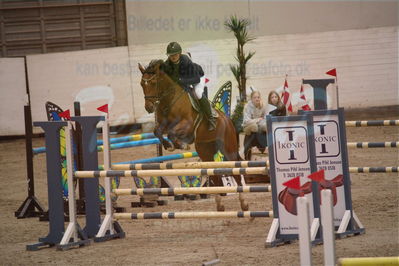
x: 251, y: 113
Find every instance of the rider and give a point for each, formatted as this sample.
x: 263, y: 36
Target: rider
x: 190, y: 76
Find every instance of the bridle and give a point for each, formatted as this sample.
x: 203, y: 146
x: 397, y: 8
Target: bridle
x: 156, y: 99
x: 149, y: 97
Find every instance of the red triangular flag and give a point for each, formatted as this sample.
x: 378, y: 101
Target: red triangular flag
x: 290, y: 108
x: 302, y: 93
x: 66, y: 114
x: 285, y: 97
x: 305, y: 106
x: 206, y: 80
x: 294, y: 183
x: 317, y: 176
x: 332, y: 72
x: 103, y: 108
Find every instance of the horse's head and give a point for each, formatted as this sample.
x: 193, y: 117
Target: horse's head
x: 150, y: 83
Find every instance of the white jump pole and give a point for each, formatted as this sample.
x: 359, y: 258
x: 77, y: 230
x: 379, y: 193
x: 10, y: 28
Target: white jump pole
x: 72, y: 229
x: 327, y: 221
x: 107, y: 224
x: 305, y: 250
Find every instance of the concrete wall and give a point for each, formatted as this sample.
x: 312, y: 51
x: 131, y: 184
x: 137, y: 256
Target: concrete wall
x: 189, y: 20
x: 366, y: 62
x: 92, y: 77
x: 13, y: 96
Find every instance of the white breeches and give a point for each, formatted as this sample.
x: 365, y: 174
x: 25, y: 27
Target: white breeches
x: 199, y: 88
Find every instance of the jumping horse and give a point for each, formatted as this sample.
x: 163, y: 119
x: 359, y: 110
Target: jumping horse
x: 183, y: 125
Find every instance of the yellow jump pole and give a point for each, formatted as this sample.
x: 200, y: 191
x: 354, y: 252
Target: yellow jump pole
x: 377, y: 261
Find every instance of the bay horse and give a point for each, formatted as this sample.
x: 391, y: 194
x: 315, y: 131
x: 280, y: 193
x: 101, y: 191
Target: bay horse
x: 183, y: 125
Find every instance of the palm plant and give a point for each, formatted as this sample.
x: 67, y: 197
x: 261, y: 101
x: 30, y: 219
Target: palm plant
x: 239, y: 28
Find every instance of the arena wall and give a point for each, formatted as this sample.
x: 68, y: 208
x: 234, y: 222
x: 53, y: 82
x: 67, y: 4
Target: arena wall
x: 366, y: 62
x: 13, y: 96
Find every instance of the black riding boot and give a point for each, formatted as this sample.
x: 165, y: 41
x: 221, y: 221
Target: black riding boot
x: 205, y: 106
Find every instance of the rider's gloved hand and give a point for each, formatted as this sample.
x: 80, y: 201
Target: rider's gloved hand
x: 184, y: 85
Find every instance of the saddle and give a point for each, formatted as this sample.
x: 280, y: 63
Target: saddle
x: 200, y: 116
x: 195, y: 105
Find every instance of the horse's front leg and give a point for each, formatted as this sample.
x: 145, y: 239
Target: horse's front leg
x: 219, y: 204
x: 180, y: 135
x: 244, y: 205
x: 159, y: 129
x: 178, y: 143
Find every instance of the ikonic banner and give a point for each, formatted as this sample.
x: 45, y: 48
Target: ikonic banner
x: 329, y: 158
x: 292, y: 158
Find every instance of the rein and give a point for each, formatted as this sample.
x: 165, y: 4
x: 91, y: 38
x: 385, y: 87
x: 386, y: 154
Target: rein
x: 161, y: 94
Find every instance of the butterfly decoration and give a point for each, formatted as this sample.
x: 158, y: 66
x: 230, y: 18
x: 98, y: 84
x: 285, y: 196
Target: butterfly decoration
x: 101, y: 193
x: 52, y: 111
x: 190, y: 181
x: 154, y: 182
x: 222, y: 99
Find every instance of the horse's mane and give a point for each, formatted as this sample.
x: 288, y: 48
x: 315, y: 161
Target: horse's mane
x: 154, y: 64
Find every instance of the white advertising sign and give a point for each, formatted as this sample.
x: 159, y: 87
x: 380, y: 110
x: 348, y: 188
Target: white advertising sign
x: 329, y: 158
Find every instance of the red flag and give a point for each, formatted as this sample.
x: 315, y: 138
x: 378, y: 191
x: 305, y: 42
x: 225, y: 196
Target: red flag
x: 294, y: 183
x: 103, y: 108
x: 305, y: 105
x: 206, y: 80
x: 66, y: 114
x: 285, y: 97
x: 317, y: 176
x: 332, y: 72
x: 302, y: 94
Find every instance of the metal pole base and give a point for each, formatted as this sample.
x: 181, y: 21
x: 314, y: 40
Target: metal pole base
x: 119, y: 233
x: 28, y: 208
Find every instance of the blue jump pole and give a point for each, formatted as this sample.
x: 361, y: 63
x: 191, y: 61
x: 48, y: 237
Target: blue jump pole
x: 119, y: 143
x: 130, y: 144
x: 128, y: 138
x: 164, y: 158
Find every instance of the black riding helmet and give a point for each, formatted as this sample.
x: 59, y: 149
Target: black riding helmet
x: 173, y: 48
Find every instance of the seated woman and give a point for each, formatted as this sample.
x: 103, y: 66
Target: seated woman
x: 254, y: 125
x: 276, y: 107
x: 254, y: 115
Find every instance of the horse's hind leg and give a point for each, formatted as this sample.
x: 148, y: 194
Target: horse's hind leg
x: 244, y: 205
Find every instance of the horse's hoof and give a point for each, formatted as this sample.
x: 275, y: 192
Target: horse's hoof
x: 171, y: 149
x: 220, y: 208
x: 245, y: 207
x: 186, y: 147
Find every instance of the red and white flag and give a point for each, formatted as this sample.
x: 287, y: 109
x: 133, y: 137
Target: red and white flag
x: 305, y: 105
x: 285, y: 97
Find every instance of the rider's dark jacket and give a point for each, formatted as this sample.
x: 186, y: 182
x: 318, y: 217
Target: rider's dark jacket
x: 186, y: 72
